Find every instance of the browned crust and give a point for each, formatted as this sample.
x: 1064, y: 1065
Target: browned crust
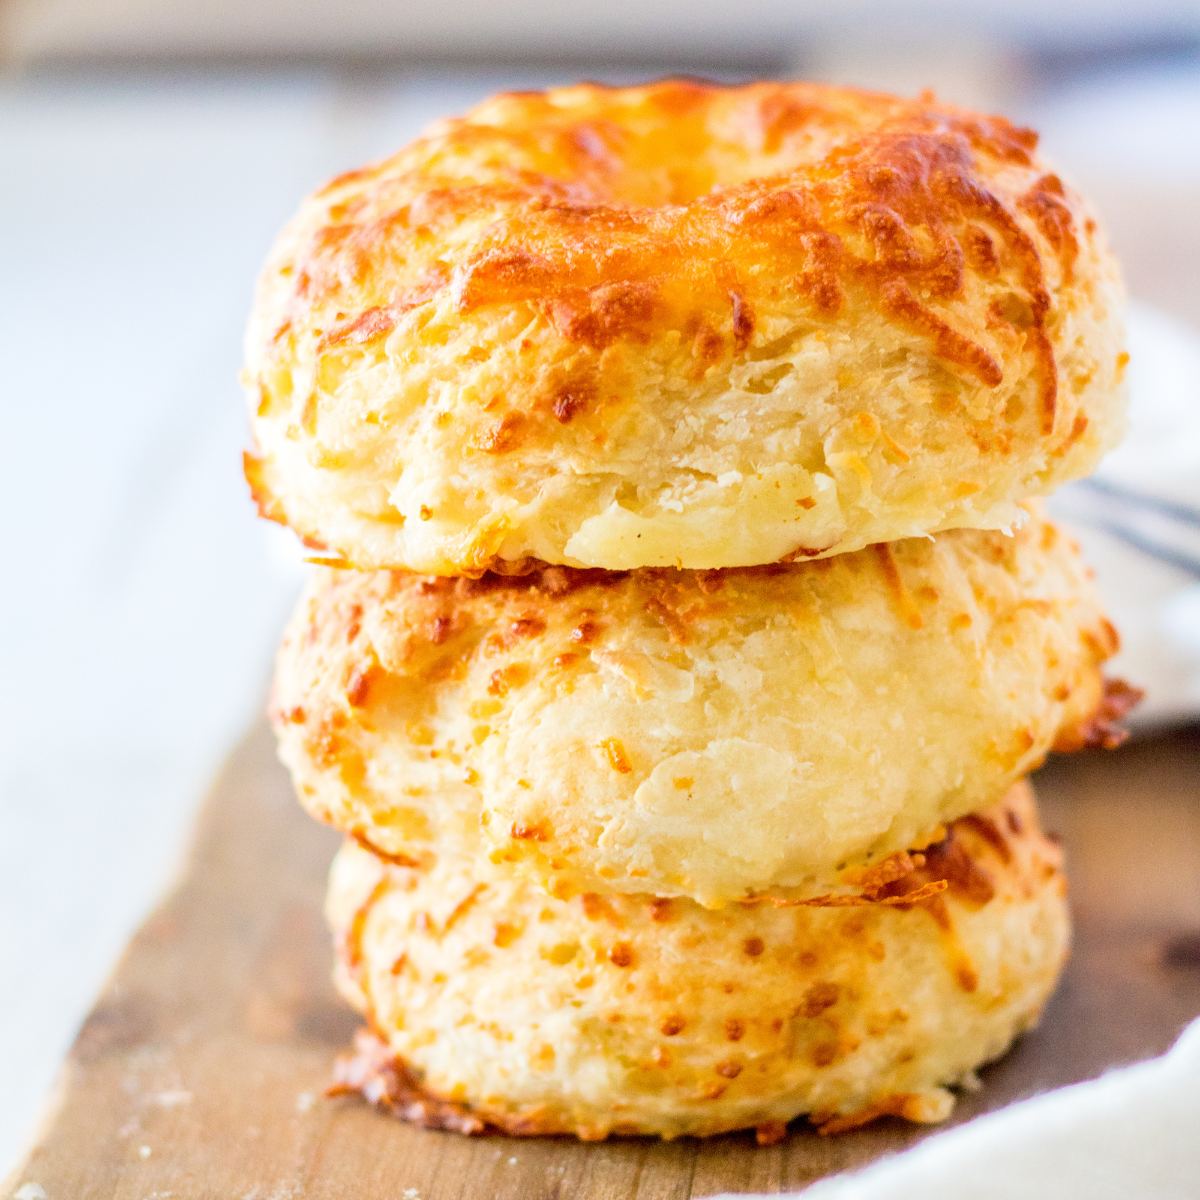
x: 375, y: 1072
x: 381, y: 1077
x: 397, y: 860
x: 918, y: 877
x: 893, y: 205
x: 922, y: 892
x: 771, y: 1133
x: 898, y: 1104
x: 1100, y: 729
x: 269, y: 506
x: 512, y: 604
x: 675, y: 597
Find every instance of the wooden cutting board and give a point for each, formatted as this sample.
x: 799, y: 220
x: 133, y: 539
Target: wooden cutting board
x: 201, y: 1070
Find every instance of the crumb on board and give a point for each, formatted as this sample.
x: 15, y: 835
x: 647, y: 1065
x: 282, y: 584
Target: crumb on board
x: 29, y: 1191
x: 143, y: 1151
x: 305, y: 1101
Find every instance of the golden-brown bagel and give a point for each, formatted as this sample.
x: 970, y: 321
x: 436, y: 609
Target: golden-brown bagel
x: 681, y: 325
x: 624, y: 1014
x: 774, y: 729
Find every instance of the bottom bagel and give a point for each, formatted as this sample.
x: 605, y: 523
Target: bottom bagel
x: 493, y: 1006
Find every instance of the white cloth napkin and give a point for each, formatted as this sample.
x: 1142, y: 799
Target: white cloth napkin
x: 1133, y: 1134
x: 1138, y: 519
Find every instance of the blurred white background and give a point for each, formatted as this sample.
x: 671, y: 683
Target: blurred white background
x: 148, y: 152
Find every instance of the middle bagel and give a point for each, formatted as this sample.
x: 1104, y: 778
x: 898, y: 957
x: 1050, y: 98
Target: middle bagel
x: 774, y: 730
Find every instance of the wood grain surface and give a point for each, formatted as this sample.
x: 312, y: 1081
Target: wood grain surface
x: 200, y: 1073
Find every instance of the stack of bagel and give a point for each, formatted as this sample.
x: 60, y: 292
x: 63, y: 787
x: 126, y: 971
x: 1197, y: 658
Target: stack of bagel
x: 686, y: 623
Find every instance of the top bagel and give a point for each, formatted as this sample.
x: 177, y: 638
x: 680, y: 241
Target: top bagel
x: 681, y: 325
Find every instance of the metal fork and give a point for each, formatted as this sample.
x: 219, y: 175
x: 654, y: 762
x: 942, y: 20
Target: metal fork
x: 1128, y: 507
